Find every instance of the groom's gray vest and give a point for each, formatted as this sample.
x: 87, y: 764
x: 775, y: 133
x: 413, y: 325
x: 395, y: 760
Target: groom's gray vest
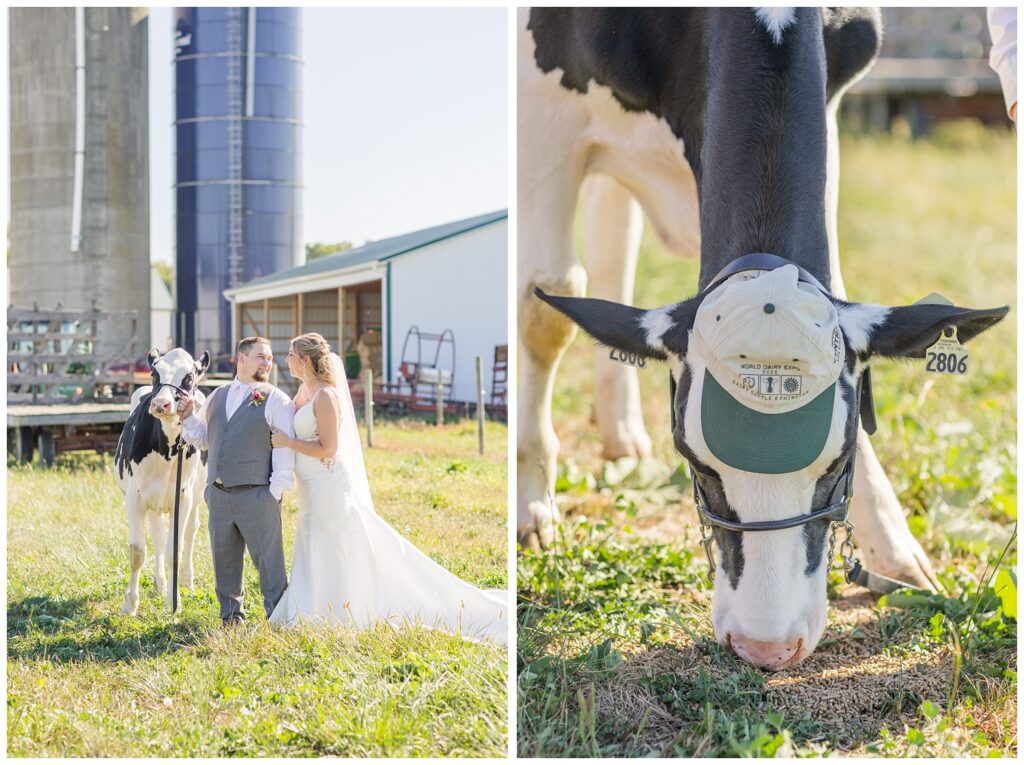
x: 239, y: 448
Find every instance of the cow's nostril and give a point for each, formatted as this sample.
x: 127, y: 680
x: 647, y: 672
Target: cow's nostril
x: 769, y: 655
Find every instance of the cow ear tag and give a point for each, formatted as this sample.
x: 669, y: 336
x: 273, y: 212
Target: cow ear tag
x: 632, y: 359
x: 946, y: 355
x: 934, y: 299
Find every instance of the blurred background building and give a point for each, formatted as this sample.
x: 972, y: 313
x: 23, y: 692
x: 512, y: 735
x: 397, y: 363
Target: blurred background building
x: 933, y: 66
x: 79, y: 164
x: 238, y: 161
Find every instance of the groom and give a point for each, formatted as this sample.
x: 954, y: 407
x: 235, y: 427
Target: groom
x: 246, y: 476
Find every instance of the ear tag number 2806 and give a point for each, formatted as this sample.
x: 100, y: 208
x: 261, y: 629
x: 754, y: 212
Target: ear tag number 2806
x: 947, y: 355
x: 633, y: 359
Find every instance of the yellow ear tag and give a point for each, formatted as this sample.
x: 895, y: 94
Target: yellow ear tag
x: 934, y: 299
x: 947, y: 355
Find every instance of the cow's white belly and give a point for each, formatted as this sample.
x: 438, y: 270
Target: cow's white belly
x: 152, y: 481
x: 638, y: 149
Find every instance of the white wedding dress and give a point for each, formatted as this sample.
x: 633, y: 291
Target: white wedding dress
x: 350, y: 566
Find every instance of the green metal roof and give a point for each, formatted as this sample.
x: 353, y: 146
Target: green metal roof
x: 383, y: 250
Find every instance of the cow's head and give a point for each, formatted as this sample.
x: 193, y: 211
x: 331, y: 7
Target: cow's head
x: 768, y: 369
x: 173, y: 373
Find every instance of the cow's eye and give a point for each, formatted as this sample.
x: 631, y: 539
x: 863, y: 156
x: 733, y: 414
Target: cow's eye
x: 187, y: 382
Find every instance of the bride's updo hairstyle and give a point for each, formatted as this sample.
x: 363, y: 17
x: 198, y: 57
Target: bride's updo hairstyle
x: 315, y: 348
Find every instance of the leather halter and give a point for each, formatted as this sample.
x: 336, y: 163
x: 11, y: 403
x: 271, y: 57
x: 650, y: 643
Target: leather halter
x: 837, y: 511
x: 179, y: 392
x: 762, y: 261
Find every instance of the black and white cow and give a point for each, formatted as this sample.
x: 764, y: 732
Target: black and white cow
x: 720, y: 126
x: 146, y: 463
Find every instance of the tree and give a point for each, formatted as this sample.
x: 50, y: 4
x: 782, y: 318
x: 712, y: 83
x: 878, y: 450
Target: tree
x: 320, y: 249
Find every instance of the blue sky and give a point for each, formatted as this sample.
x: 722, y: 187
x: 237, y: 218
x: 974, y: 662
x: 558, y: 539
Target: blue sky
x: 405, y: 112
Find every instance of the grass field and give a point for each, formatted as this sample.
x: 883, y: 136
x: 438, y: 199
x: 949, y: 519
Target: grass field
x: 616, y: 655
x: 83, y: 680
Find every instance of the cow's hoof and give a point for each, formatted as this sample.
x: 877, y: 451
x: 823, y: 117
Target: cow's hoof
x: 540, y: 532
x: 130, y: 605
x: 919, y: 573
x: 910, y: 565
x: 625, y: 439
x: 529, y: 539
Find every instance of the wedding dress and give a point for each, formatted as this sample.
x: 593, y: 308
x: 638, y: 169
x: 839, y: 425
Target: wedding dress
x: 350, y: 566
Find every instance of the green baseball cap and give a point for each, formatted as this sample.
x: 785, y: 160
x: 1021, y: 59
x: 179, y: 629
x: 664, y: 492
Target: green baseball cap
x: 773, y: 352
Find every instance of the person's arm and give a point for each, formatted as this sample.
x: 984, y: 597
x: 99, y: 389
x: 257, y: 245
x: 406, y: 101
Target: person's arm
x: 328, y: 417
x: 193, y: 420
x: 1002, y: 25
x: 280, y: 415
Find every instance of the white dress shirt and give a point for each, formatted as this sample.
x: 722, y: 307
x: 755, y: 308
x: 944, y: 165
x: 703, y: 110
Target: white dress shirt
x: 1002, y: 25
x: 279, y: 413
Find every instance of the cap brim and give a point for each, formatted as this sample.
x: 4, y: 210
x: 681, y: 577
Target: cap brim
x: 764, y: 443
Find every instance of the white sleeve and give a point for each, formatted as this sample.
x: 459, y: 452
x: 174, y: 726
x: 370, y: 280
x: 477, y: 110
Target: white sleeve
x: 1002, y: 25
x: 193, y: 430
x: 280, y: 414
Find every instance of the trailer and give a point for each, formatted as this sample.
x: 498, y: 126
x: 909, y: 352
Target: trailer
x: 56, y: 428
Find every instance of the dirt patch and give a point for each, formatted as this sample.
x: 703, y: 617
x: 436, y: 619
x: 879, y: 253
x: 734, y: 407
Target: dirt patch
x: 852, y: 685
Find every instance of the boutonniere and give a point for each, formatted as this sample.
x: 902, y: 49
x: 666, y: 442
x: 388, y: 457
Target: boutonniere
x: 257, y: 398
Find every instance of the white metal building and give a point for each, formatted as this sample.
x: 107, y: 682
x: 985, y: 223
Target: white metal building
x: 449, y: 277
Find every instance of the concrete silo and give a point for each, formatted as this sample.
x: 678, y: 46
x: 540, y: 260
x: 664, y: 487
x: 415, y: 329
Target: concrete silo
x: 238, y: 160
x: 79, y: 151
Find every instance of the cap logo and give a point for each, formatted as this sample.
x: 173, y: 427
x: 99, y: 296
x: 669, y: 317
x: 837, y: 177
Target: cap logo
x: 770, y: 382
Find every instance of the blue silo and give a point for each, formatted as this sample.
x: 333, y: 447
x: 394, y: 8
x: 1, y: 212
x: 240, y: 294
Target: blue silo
x: 238, y: 160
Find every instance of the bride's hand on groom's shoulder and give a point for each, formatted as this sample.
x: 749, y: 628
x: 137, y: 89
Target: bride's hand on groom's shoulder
x: 278, y: 439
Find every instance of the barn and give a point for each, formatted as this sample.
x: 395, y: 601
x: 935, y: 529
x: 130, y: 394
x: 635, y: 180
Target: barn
x: 371, y: 302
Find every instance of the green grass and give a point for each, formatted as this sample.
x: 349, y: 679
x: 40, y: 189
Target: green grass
x: 616, y: 655
x: 83, y: 680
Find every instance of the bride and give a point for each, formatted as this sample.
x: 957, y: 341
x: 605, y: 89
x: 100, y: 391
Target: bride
x: 349, y: 565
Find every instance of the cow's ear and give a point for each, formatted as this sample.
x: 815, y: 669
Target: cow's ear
x: 203, y: 364
x: 908, y: 331
x: 154, y: 356
x: 647, y: 333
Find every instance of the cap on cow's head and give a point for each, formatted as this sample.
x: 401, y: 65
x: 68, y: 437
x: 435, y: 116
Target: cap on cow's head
x: 774, y: 352
x: 768, y: 369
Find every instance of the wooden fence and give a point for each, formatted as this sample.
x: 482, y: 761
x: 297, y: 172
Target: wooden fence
x: 52, y: 358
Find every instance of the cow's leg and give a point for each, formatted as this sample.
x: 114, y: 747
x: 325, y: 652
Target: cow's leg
x: 136, y: 551
x: 549, y: 178
x: 192, y: 529
x: 883, y: 537
x: 186, y: 533
x: 884, y: 542
x: 187, y: 574
x: 158, y: 526
x: 612, y: 227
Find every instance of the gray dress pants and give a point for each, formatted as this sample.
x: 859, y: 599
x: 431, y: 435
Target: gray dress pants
x: 240, y: 518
